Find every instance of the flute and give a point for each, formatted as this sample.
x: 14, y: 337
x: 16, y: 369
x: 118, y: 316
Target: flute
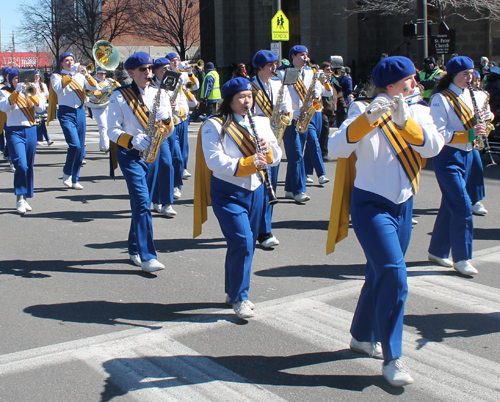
x: 267, y: 172
x: 389, y: 103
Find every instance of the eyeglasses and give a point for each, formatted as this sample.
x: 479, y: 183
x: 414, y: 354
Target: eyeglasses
x: 142, y: 69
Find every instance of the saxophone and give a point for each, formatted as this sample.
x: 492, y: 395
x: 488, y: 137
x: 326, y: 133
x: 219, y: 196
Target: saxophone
x: 156, y: 132
x: 279, y: 120
x: 309, y: 106
x: 173, y: 98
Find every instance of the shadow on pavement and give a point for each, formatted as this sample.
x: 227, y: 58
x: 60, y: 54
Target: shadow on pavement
x: 316, y: 271
x: 185, y: 370
x: 40, y: 269
x: 301, y: 225
x: 437, y: 327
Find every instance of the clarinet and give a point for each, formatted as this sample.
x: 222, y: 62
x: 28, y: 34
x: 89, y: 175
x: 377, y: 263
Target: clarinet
x: 487, y: 148
x: 267, y: 172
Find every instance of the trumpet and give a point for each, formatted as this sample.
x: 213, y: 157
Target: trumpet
x: 88, y: 69
x: 389, y: 103
x: 30, y: 89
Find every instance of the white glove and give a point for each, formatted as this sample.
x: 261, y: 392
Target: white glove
x: 141, y: 142
x: 74, y: 69
x: 375, y: 110
x: 162, y: 114
x: 20, y: 86
x: 400, y: 111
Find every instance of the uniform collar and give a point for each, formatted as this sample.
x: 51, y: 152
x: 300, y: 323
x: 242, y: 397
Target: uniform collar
x: 457, y: 90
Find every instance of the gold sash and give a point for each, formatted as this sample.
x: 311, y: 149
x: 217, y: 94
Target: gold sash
x: 262, y: 100
x: 140, y: 110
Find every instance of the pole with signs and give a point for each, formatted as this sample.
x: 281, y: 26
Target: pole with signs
x: 280, y: 31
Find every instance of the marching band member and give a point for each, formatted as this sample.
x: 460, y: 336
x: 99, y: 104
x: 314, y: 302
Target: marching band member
x: 163, y: 188
x: 129, y: 107
x: 20, y: 133
x: 67, y: 90
x: 3, y: 118
x: 295, y: 182
x: 389, y: 145
x: 100, y: 111
x: 266, y: 88
x: 453, y: 112
x: 185, y: 100
x: 236, y: 190
x: 41, y: 128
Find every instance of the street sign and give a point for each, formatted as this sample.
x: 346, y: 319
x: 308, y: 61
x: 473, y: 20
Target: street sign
x: 276, y: 48
x: 442, y: 44
x: 280, y: 27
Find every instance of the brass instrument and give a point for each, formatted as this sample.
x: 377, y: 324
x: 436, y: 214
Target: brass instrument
x: 310, y: 106
x: 280, y: 120
x: 106, y: 55
x: 100, y: 102
x: 157, y: 131
x: 30, y: 89
x: 267, y: 172
x: 480, y: 120
x: 88, y: 69
x: 479, y: 144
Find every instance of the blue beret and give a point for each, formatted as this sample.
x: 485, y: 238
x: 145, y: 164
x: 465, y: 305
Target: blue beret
x: 476, y: 74
x: 12, y: 74
x: 162, y: 61
x: 37, y: 72
x: 236, y: 85
x: 459, y: 63
x: 263, y: 57
x: 172, y: 55
x: 64, y: 55
x: 209, y: 66
x: 6, y: 71
x: 137, y: 60
x: 297, y: 49
x: 391, y: 70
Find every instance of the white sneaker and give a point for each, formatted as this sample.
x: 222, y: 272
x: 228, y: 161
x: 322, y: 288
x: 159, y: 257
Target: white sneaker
x: 301, y: 197
x: 12, y: 168
x: 27, y: 206
x: 20, y: 208
x: 186, y: 174
x: 84, y: 162
x: 309, y: 180
x: 77, y: 186
x: 444, y: 262
x: 243, y: 310
x: 250, y: 304
x: 271, y: 242
x: 414, y: 221
x: 465, y: 268
x: 49, y: 143
x: 152, y: 266
x: 479, y: 209
x: 396, y: 373
x: 157, y: 207
x: 372, y: 349
x: 67, y: 180
x: 323, y: 179
x: 177, y: 193
x: 168, y: 211
x: 289, y: 195
x: 135, y: 258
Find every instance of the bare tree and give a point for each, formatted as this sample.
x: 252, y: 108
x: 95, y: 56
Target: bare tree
x: 482, y: 9
x: 94, y: 20
x: 46, y: 25
x: 172, y: 22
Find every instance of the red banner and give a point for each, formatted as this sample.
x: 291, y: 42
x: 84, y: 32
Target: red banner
x: 25, y: 59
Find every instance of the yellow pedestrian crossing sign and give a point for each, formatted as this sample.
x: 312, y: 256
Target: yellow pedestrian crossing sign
x: 279, y: 27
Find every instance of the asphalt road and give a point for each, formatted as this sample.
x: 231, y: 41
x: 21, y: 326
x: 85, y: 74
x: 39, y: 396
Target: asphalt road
x: 79, y: 322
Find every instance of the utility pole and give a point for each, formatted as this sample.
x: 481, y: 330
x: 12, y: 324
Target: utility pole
x: 276, y: 8
x: 13, y: 43
x: 421, y: 32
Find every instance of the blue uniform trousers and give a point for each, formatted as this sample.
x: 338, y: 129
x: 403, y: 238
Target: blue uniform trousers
x: 383, y: 230
x: 238, y: 211
x: 41, y: 131
x: 267, y: 213
x: 136, y: 172
x: 177, y: 162
x: 162, y: 188
x: 183, y: 141
x: 313, y: 157
x: 73, y: 125
x: 21, y: 142
x: 453, y: 227
x: 295, y: 180
x: 475, y: 184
